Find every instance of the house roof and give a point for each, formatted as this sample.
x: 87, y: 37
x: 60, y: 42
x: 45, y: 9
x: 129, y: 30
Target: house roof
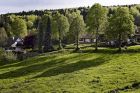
x: 86, y: 36
x: 13, y: 41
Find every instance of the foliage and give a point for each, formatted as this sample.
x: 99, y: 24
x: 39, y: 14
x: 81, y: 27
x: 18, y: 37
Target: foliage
x: 19, y: 27
x: 30, y: 41
x: 134, y: 11
x: 71, y: 34
x: 62, y: 25
x: 5, y: 23
x: 31, y: 18
x: 40, y: 35
x: 7, y: 56
x: 77, y: 27
x: 29, y: 24
x: 3, y: 37
x: 96, y: 20
x: 48, y: 36
x: 96, y: 17
x: 121, y: 25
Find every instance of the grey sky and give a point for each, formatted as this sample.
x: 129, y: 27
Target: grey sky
x: 26, y: 5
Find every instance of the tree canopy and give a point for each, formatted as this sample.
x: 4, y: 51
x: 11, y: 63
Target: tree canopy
x: 62, y: 27
x: 19, y: 27
x: 121, y: 25
x: 3, y: 37
x: 77, y: 27
x: 95, y: 21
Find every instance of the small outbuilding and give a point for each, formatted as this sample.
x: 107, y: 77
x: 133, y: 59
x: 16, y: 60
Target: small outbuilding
x: 86, y: 38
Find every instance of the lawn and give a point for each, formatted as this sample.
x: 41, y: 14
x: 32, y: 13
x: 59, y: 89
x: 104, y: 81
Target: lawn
x: 87, y: 71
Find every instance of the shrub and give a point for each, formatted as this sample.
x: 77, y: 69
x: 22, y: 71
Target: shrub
x: 7, y: 56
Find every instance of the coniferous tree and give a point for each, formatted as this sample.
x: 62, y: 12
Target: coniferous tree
x: 40, y: 35
x: 3, y: 37
x: 48, y: 37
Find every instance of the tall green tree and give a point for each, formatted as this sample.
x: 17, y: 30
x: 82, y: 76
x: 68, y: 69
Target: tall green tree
x: 77, y: 26
x: 138, y: 6
x: 120, y: 25
x: 48, y: 35
x: 29, y: 25
x: 3, y: 37
x: 40, y: 34
x: 134, y: 11
x: 71, y: 17
x: 31, y: 21
x: 5, y: 22
x: 31, y: 18
x: 95, y: 21
x: 62, y: 25
x: 19, y: 27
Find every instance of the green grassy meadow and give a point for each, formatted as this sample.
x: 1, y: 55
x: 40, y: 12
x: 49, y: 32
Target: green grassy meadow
x: 105, y: 71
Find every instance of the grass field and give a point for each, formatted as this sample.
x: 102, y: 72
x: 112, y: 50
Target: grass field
x: 105, y: 71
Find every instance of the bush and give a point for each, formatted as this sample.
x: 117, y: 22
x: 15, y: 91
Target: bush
x: 7, y: 56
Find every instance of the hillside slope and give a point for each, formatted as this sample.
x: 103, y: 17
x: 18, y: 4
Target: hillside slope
x: 68, y: 72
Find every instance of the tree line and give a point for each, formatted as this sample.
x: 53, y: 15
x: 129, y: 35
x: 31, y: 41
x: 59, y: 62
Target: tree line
x: 64, y: 26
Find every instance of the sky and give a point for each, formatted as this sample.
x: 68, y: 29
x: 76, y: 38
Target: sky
x: 9, y: 6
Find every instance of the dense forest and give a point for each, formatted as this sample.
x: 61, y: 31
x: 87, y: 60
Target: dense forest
x: 43, y: 29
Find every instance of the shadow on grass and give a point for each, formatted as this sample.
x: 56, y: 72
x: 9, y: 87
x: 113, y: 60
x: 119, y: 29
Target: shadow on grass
x: 34, y: 68
x: 29, y: 69
x: 4, y: 63
x: 25, y: 62
x: 30, y: 61
x: 102, y: 51
x: 110, y: 50
x: 132, y: 50
x: 74, y: 46
x: 82, y: 64
x: 43, y: 57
